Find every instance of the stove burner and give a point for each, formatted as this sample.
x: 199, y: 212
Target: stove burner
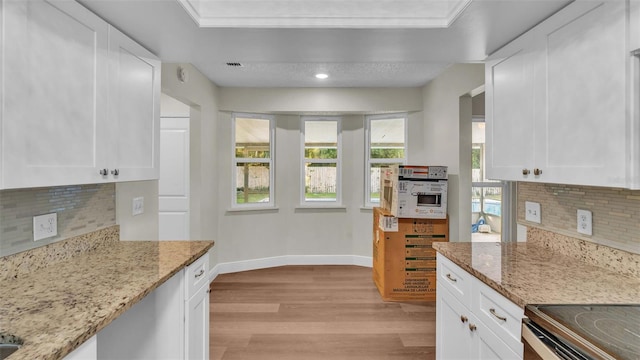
x: 613, y: 328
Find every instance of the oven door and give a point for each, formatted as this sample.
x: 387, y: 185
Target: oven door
x: 539, y: 344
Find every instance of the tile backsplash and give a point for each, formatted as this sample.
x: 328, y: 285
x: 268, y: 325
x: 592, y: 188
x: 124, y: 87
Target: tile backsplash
x: 616, y: 212
x: 80, y: 208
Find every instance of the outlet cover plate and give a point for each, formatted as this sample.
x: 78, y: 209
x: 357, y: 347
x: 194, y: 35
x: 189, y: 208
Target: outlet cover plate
x: 532, y: 211
x: 138, y: 206
x: 45, y: 226
x: 585, y: 223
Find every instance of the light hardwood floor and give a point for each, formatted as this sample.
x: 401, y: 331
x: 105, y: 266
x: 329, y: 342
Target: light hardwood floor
x: 312, y: 313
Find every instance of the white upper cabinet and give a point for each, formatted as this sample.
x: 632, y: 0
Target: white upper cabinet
x: 54, y: 93
x: 80, y: 99
x: 560, y: 100
x: 134, y: 109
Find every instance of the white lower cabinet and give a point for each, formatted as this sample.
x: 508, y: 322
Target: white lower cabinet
x: 474, y: 327
x: 196, y: 295
x: 197, y: 329
x: 171, y: 323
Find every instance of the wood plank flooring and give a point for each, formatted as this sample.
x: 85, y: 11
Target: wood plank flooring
x: 313, y: 313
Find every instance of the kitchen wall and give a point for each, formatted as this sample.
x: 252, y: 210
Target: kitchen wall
x: 616, y: 212
x: 202, y: 96
x: 290, y: 230
x: 446, y: 133
x: 81, y: 209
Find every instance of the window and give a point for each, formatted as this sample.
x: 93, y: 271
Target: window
x: 253, y: 160
x: 321, y: 153
x: 386, y: 145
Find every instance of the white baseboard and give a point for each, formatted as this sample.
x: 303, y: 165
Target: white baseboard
x: 264, y: 263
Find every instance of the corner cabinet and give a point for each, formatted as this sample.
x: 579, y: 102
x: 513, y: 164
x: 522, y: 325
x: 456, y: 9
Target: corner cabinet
x: 76, y: 109
x: 562, y: 99
x: 473, y: 321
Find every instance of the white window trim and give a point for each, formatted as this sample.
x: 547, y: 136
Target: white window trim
x: 337, y: 203
x: 368, y: 204
x: 272, y: 181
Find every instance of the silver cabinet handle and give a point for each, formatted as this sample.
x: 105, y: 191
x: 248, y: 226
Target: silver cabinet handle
x: 525, y: 171
x: 493, y: 312
x: 115, y: 172
x: 200, y: 273
x: 451, y: 278
x: 472, y: 327
x: 104, y: 172
x: 537, y: 172
x: 464, y: 319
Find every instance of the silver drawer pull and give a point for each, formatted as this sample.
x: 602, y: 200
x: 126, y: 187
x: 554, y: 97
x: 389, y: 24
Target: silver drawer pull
x: 200, y: 273
x: 493, y: 312
x: 451, y: 278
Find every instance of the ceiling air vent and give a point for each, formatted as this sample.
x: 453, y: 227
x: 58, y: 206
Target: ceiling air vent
x: 234, y: 64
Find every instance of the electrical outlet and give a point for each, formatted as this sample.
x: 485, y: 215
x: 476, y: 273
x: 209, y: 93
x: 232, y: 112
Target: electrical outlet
x: 532, y: 211
x: 138, y: 206
x: 585, y: 222
x: 45, y: 226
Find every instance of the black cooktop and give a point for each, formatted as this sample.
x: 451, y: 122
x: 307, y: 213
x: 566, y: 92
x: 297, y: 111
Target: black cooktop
x: 615, y: 329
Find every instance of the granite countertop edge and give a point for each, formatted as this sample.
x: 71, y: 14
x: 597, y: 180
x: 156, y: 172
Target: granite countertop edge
x: 528, y: 274
x: 97, y: 318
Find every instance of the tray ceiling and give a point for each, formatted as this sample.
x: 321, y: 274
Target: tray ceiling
x: 325, y: 13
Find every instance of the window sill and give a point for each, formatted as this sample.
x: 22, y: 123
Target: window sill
x: 368, y: 207
x: 314, y: 206
x: 253, y: 208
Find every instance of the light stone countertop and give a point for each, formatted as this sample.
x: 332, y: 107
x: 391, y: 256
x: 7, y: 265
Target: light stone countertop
x: 57, y: 308
x: 530, y: 274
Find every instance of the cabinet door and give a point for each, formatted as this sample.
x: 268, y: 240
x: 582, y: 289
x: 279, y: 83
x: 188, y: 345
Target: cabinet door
x: 453, y: 337
x: 486, y: 345
x: 583, y: 139
x: 510, y: 111
x: 54, y: 95
x: 197, y: 326
x: 134, y: 109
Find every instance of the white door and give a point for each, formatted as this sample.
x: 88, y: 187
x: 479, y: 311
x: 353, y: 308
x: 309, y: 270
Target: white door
x: 174, y: 179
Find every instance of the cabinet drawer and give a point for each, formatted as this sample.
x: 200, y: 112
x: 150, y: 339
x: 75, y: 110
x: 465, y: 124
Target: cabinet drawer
x: 499, y: 314
x: 197, y: 275
x: 455, y: 279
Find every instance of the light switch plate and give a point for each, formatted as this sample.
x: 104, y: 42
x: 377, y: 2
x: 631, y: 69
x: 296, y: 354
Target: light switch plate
x: 45, y: 226
x: 138, y: 206
x: 532, y: 211
x: 585, y: 222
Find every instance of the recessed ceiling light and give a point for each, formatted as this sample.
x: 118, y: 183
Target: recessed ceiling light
x: 322, y: 76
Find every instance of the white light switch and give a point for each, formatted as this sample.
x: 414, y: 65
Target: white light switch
x: 532, y: 211
x: 585, y: 222
x: 45, y: 226
x: 138, y: 206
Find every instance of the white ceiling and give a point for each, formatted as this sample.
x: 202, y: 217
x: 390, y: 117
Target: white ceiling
x: 353, y: 57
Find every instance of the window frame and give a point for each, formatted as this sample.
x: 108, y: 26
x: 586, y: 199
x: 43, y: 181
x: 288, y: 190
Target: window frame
x: 271, y: 161
x: 368, y: 160
x: 338, y: 161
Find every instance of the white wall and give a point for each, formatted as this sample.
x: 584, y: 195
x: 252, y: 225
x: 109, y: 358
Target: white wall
x: 290, y: 230
x: 202, y: 96
x: 441, y: 101
x: 145, y: 225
